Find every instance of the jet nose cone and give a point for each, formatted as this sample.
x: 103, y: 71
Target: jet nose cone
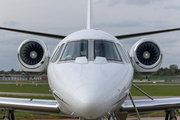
x: 89, y: 102
x: 90, y: 110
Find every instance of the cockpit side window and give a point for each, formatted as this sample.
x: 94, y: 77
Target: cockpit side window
x: 127, y: 54
x: 75, y: 49
x: 58, y: 53
x: 123, y: 53
x: 106, y: 49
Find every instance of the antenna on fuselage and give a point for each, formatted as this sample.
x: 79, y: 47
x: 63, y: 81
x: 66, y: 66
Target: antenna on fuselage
x: 89, y: 15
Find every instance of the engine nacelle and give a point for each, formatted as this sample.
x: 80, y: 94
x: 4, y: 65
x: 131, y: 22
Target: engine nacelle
x: 146, y: 57
x: 33, y: 56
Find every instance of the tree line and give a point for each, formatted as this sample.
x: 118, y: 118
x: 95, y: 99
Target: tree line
x: 14, y: 72
x: 171, y: 71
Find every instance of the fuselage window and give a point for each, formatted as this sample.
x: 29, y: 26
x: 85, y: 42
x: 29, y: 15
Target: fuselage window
x: 58, y: 53
x: 122, y: 53
x: 106, y: 49
x: 74, y: 50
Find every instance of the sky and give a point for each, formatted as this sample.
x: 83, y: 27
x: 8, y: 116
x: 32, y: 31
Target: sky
x: 63, y: 17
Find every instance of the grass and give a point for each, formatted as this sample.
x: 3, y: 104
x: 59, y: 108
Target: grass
x: 25, y: 88
x: 157, y: 90
x: 25, y: 81
x: 155, y: 114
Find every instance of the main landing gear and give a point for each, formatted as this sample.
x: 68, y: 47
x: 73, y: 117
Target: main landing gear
x: 7, y: 114
x: 172, y: 115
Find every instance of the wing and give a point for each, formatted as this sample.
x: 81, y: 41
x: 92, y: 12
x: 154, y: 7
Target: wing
x: 149, y: 106
x: 31, y: 105
x: 34, y: 33
x: 118, y: 36
x: 146, y: 33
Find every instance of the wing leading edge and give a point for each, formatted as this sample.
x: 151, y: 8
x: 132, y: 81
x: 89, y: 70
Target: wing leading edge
x: 34, y: 33
x: 31, y: 105
x: 148, y: 106
x: 62, y: 36
x: 146, y: 33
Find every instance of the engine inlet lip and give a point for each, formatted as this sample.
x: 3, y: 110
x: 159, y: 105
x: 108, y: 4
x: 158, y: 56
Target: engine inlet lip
x: 45, y: 56
x: 28, y: 46
x: 147, y: 53
x: 160, y: 54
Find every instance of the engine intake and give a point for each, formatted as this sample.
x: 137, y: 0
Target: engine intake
x: 148, y: 53
x: 33, y: 56
x: 146, y: 57
x: 31, y: 53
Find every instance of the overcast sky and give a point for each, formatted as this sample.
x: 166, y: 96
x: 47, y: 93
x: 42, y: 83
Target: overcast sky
x: 116, y: 17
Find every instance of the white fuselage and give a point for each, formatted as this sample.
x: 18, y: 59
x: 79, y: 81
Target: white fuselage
x: 93, y: 87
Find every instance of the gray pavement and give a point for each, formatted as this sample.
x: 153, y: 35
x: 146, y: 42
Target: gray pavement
x: 24, y: 94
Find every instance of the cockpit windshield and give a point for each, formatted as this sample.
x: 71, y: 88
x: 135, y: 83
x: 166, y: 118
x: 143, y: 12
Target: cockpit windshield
x: 106, y: 49
x: 75, y: 49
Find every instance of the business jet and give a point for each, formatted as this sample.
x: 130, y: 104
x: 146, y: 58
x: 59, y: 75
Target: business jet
x: 90, y: 75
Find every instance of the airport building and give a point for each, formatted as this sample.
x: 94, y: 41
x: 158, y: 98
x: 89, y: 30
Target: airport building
x: 22, y: 77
